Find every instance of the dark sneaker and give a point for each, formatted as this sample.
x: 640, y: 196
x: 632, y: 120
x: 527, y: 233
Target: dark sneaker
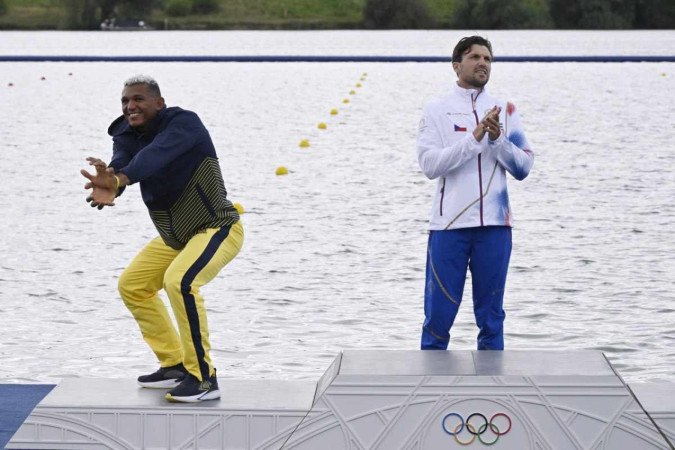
x: 164, y: 378
x: 191, y: 390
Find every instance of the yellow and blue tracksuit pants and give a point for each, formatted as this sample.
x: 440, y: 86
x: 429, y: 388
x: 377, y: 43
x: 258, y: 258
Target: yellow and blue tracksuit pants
x: 486, y: 252
x: 181, y: 273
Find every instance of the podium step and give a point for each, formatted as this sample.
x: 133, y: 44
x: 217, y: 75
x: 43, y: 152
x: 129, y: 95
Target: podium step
x: 91, y: 413
x: 374, y: 399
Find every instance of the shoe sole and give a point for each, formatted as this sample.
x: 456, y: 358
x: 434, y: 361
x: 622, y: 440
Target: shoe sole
x: 211, y: 395
x: 163, y: 384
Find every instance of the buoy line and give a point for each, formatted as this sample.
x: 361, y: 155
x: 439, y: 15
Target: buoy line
x: 304, y: 142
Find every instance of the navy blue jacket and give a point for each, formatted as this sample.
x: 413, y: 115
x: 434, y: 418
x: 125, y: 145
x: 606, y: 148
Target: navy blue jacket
x: 176, y: 164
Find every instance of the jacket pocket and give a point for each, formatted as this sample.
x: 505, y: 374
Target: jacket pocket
x: 205, y: 200
x: 442, y: 195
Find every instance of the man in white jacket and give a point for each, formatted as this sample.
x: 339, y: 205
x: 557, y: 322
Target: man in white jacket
x: 468, y: 141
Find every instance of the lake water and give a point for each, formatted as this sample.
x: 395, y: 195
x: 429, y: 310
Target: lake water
x: 335, y: 251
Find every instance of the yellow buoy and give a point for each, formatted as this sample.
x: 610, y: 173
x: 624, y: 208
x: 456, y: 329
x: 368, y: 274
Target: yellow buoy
x: 358, y: 84
x: 281, y: 170
x: 322, y: 125
x: 345, y: 100
x: 239, y: 208
x: 304, y: 143
x: 365, y: 74
x: 352, y: 92
x: 663, y: 74
x: 333, y: 112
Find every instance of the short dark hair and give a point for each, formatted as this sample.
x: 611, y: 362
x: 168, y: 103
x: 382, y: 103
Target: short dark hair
x: 146, y: 80
x: 465, y: 44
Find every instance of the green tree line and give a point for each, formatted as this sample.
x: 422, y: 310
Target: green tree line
x: 373, y: 14
x: 520, y: 14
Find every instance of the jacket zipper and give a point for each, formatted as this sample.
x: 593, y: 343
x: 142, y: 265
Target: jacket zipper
x: 480, y: 172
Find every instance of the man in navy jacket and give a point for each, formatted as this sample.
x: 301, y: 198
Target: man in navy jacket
x: 169, y: 152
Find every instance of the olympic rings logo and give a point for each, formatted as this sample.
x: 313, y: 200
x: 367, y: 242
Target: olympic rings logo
x: 475, y: 430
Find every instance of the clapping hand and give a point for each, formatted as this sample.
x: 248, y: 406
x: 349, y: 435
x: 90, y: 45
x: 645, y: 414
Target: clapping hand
x: 491, y: 123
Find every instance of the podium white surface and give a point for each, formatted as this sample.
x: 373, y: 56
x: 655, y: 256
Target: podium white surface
x: 375, y: 399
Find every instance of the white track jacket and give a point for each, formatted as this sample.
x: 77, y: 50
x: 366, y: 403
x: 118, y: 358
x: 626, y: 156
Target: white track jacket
x: 471, y: 189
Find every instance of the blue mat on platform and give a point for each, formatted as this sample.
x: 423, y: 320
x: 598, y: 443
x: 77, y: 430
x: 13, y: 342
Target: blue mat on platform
x: 17, y: 401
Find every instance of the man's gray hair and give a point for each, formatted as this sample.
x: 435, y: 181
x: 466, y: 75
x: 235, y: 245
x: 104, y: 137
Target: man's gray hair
x: 146, y: 80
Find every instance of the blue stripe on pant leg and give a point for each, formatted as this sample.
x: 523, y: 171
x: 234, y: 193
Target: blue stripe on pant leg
x: 447, y: 261
x: 189, y: 299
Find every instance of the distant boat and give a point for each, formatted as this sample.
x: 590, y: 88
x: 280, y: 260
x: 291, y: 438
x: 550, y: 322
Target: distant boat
x: 124, y: 25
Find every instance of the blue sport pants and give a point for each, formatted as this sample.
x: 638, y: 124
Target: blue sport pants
x: 486, y: 252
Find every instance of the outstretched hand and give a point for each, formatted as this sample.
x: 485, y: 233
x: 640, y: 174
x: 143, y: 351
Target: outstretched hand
x: 103, y: 184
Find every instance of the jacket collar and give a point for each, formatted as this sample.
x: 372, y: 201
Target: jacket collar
x: 470, y: 93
